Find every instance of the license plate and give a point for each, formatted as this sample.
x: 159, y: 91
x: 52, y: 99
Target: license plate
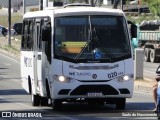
x: 93, y: 94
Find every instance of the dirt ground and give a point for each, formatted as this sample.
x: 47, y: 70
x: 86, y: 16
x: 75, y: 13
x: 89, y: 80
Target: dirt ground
x: 13, y: 50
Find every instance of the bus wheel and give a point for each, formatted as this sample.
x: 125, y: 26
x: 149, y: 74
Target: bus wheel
x: 35, y: 100
x: 44, y: 101
x: 120, y: 104
x: 56, y: 104
x: 147, y: 54
x: 100, y: 103
x: 152, y: 56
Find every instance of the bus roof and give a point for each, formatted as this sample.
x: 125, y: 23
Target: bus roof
x: 82, y: 10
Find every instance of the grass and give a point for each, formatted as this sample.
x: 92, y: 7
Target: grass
x: 11, y: 49
x: 15, y: 45
x: 15, y: 17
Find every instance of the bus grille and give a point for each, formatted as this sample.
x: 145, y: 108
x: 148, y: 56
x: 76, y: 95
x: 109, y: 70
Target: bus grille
x: 84, y: 89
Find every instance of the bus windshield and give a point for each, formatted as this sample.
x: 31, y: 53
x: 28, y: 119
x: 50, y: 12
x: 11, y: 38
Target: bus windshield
x: 91, y: 38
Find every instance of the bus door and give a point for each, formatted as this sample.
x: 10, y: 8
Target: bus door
x: 37, y: 54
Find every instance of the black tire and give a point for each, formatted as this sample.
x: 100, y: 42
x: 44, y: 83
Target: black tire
x: 48, y: 90
x: 92, y: 103
x: 100, y: 103
x: 44, y: 101
x: 158, y: 112
x: 153, y: 55
x: 147, y: 55
x: 121, y: 104
x: 56, y: 104
x: 35, y: 100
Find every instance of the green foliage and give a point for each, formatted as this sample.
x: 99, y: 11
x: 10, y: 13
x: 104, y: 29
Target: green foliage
x: 154, y: 6
x: 142, y: 17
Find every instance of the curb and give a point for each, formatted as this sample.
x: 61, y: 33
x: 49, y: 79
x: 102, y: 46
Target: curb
x: 142, y: 88
x: 144, y: 85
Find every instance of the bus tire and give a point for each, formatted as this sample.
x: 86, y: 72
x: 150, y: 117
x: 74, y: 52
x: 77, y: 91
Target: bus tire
x: 56, y: 104
x: 153, y: 55
x: 100, y: 103
x: 35, y: 100
x: 48, y: 89
x: 121, y: 104
x: 44, y: 101
x: 147, y: 55
x: 29, y: 85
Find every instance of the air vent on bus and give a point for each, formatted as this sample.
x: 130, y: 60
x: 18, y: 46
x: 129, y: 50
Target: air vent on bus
x: 84, y: 89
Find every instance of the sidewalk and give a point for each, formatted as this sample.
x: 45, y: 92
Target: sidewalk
x: 143, y: 85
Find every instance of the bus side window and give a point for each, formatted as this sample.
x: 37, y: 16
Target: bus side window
x: 30, y: 35
x: 25, y: 35
x: 46, y: 32
x: 46, y: 36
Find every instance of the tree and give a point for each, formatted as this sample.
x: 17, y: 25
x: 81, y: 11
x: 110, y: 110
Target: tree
x: 154, y: 6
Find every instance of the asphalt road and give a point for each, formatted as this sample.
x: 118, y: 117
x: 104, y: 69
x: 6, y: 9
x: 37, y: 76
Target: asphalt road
x: 15, y: 101
x: 149, y: 70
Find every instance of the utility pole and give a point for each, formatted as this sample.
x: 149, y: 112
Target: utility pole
x: 9, y: 22
x: 122, y: 5
x: 24, y: 6
x: 91, y: 2
x: 40, y: 4
x: 115, y: 4
x: 46, y: 3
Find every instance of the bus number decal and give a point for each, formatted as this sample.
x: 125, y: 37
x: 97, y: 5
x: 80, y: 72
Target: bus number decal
x: 28, y: 62
x: 113, y: 74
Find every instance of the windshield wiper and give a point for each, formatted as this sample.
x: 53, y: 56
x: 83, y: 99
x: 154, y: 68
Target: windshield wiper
x: 88, y: 43
x: 100, y: 45
x: 93, y: 39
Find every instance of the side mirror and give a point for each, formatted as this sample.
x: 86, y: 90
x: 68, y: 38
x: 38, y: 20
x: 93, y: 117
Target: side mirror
x: 133, y: 31
x: 46, y: 33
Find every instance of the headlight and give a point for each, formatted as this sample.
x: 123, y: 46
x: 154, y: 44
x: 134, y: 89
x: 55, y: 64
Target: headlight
x: 63, y: 79
x: 124, y: 78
